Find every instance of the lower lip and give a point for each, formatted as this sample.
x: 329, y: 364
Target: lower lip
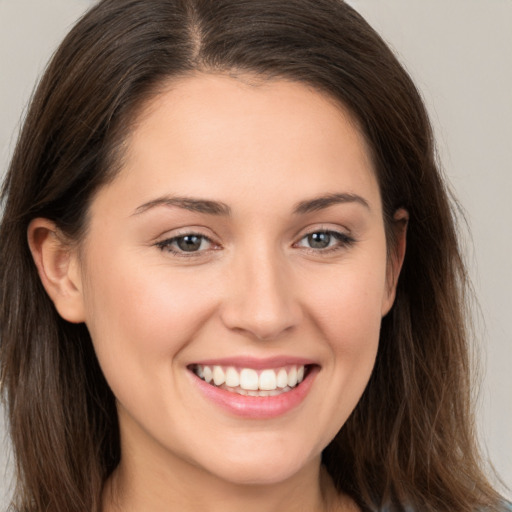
x: 257, y: 407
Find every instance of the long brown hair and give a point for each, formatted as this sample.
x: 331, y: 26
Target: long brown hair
x: 410, y: 443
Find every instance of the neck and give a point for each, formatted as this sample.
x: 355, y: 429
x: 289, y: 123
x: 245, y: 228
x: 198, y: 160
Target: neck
x: 152, y: 477
x: 189, y: 489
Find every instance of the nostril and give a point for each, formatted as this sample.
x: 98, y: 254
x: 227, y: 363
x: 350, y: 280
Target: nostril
x: 261, y: 323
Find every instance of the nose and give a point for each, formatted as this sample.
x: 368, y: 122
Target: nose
x: 260, y: 300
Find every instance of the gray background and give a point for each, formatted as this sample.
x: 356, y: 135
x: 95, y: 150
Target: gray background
x: 460, y: 54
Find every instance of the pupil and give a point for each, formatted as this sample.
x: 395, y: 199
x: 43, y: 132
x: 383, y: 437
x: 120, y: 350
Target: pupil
x: 189, y: 243
x: 319, y: 240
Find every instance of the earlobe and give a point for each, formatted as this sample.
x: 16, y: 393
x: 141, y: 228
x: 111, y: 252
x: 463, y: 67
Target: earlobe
x: 396, y: 257
x: 57, y: 264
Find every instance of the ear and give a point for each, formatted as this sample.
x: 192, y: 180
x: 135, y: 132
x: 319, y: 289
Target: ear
x: 58, y: 267
x: 396, y: 257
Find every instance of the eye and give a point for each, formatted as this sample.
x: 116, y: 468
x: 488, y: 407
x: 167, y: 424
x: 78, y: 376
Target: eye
x: 186, y: 244
x: 325, y: 240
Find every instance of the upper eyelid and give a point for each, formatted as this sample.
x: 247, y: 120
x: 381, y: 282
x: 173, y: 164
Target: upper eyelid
x: 186, y: 231
x: 337, y: 234
x: 301, y: 234
x: 172, y: 235
x: 323, y: 228
x: 168, y: 245
x: 168, y: 241
x: 329, y: 231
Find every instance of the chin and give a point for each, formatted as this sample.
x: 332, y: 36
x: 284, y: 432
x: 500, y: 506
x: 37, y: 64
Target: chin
x: 266, y: 467
x: 258, y: 475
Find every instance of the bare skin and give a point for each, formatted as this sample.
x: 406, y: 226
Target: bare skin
x: 245, y: 225
x: 322, y: 498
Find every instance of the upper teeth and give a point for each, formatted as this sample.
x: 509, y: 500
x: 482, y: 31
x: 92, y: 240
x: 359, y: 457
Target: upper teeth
x: 251, y: 379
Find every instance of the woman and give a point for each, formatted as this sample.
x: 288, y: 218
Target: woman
x: 242, y: 286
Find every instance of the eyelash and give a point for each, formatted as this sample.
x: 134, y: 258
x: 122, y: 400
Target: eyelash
x: 167, y: 245
x: 343, y: 241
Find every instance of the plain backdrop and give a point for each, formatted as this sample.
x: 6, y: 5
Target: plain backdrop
x: 460, y: 54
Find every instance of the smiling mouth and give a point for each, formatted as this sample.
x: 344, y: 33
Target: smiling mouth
x: 251, y: 382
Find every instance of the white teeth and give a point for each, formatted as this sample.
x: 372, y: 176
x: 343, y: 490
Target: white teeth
x: 282, y: 378
x: 232, y: 378
x: 267, y: 380
x: 292, y: 377
x: 218, y: 375
x: 207, y: 374
x: 249, y: 379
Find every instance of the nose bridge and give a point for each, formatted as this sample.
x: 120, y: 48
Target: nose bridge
x: 261, y: 299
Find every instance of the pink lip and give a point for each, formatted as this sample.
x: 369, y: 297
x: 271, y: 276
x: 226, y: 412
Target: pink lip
x: 255, y: 407
x: 257, y: 364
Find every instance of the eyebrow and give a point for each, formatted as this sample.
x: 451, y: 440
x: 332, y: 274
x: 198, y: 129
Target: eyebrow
x: 219, y: 208
x: 319, y: 203
x: 187, y: 203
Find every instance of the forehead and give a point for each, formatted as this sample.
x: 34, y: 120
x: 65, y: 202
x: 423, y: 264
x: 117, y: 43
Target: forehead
x: 218, y: 136
x: 245, y: 105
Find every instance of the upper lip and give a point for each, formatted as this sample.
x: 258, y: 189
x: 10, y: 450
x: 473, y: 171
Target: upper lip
x: 256, y: 363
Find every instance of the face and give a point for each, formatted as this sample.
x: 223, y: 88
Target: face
x: 242, y: 244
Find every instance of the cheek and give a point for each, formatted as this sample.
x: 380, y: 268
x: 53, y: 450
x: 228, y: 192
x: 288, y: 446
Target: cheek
x: 141, y: 317
x: 351, y: 325
x: 347, y: 304
x: 347, y: 311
